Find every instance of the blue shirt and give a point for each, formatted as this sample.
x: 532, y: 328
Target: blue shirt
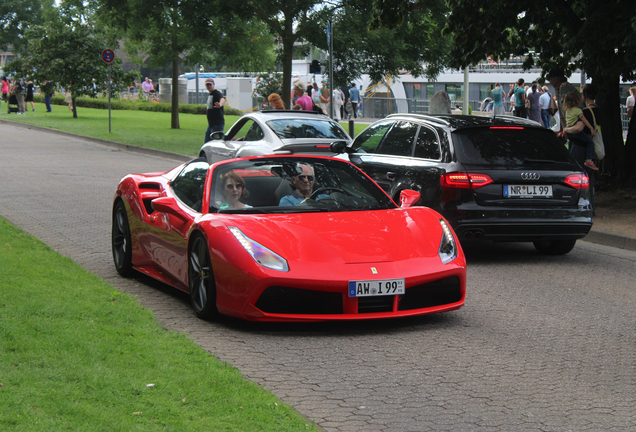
x: 354, y: 95
x: 496, y: 96
x: 293, y: 200
x: 519, y: 93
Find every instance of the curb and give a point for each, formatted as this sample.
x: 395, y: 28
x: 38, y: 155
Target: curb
x: 115, y: 144
x: 597, y: 237
x: 613, y: 240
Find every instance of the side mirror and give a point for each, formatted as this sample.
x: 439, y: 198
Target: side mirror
x: 218, y: 136
x: 169, y: 206
x: 339, y: 147
x: 408, y: 197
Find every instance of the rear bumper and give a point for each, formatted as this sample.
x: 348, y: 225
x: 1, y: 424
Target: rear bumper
x: 535, y: 231
x: 528, y: 225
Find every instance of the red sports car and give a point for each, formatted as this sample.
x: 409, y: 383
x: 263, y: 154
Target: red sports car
x: 287, y: 238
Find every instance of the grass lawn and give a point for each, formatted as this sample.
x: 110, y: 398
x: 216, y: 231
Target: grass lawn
x: 77, y: 355
x: 139, y: 128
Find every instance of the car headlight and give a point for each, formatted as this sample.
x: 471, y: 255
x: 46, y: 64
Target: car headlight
x: 260, y: 253
x: 448, y: 246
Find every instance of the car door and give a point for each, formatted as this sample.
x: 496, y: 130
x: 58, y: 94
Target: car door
x: 430, y: 160
x: 168, y: 235
x: 392, y: 156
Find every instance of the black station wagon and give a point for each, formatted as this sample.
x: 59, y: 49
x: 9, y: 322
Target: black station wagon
x: 501, y: 179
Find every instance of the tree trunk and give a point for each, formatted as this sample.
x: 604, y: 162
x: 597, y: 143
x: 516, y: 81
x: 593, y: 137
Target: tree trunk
x: 288, y: 50
x: 609, y: 107
x: 74, y: 107
x: 174, y: 110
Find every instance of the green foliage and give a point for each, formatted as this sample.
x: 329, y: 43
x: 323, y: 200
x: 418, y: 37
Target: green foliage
x: 268, y: 83
x: 69, y: 55
x: 413, y: 43
x: 18, y: 15
x: 78, y: 355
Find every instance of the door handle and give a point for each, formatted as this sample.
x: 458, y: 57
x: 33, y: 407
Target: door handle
x: 391, y: 175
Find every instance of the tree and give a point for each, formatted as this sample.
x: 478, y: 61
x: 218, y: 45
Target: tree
x: 171, y: 31
x: 286, y: 19
x: 71, y: 56
x: 17, y: 16
x: 415, y: 44
x: 599, y: 37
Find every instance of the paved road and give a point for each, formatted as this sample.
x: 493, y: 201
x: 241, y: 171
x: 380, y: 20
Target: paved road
x: 543, y: 343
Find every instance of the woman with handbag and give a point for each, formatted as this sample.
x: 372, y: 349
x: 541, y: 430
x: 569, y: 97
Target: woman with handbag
x: 578, y: 148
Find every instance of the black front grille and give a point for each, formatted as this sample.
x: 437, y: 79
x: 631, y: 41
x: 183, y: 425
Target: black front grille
x: 375, y: 304
x: 437, y: 293
x: 286, y: 300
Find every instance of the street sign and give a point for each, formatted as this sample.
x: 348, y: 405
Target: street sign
x: 108, y: 55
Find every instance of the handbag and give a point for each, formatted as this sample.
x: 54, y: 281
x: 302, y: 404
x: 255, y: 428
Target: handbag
x: 553, y: 108
x: 528, y: 103
x: 599, y: 146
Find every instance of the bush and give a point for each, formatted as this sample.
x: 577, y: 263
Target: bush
x: 136, y: 105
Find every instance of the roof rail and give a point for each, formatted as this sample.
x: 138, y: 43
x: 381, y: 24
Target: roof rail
x: 423, y: 117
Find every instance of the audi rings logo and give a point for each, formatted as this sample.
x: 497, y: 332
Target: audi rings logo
x: 530, y: 176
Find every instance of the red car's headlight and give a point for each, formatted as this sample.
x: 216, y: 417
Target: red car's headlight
x: 448, y: 246
x: 260, y: 253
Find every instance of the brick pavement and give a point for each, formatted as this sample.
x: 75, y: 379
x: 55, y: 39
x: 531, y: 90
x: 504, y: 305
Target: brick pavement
x: 528, y: 352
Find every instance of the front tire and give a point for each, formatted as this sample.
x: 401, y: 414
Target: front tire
x: 121, y: 243
x: 201, y: 280
x: 554, y: 247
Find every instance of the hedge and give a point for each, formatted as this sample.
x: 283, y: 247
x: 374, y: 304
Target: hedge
x: 119, y: 104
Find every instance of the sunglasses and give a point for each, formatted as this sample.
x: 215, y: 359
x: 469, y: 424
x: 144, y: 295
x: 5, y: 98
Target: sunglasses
x: 306, y: 177
x: 233, y: 186
x: 209, y: 84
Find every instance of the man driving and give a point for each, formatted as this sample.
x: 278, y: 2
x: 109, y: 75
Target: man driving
x: 303, y: 184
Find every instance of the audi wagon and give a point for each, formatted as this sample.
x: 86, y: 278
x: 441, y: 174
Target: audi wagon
x: 501, y: 179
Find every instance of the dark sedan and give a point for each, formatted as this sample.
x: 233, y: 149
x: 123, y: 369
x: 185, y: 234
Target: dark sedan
x: 501, y: 179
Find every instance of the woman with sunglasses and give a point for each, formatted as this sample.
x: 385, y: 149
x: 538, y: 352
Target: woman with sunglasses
x: 233, y: 191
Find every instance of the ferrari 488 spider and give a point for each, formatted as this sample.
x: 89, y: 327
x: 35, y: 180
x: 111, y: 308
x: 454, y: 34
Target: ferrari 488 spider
x: 287, y: 238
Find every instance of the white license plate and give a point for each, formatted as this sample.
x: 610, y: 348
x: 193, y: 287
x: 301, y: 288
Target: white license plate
x: 376, y: 287
x: 528, y: 191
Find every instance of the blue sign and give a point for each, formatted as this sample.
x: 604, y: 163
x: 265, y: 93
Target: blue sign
x: 108, y: 55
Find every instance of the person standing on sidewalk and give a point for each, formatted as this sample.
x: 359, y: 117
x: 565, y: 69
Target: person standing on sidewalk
x: 520, y: 100
x: 354, y: 96
x: 561, y: 88
x: 214, y: 111
x: 544, y: 101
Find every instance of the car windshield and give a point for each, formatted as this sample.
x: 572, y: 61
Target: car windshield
x: 509, y: 146
x: 293, y: 185
x: 306, y: 128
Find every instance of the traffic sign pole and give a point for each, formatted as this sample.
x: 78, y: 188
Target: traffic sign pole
x: 108, y: 55
x: 109, y: 92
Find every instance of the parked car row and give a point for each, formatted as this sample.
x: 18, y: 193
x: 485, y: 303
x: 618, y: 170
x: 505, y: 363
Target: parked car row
x: 492, y: 178
x: 286, y: 218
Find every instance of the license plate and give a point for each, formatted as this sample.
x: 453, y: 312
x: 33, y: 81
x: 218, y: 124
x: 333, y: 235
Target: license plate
x: 527, y: 191
x: 370, y: 288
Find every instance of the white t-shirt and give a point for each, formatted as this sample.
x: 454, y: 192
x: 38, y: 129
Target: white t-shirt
x: 631, y: 101
x: 544, y: 100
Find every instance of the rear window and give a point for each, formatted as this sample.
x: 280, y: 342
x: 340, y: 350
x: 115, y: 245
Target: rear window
x: 502, y: 146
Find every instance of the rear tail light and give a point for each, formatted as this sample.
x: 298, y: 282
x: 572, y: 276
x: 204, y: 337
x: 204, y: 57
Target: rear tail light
x: 578, y: 181
x: 464, y: 180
